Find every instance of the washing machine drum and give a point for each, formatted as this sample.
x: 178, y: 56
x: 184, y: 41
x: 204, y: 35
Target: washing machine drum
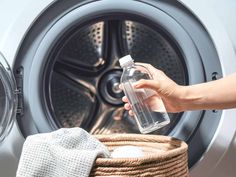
x: 69, y: 66
x: 84, y: 84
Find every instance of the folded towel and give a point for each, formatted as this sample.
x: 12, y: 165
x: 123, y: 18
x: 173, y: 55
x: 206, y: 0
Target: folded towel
x: 67, y: 152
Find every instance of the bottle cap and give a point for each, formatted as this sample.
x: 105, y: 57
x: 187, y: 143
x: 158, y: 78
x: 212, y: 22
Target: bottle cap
x: 126, y: 60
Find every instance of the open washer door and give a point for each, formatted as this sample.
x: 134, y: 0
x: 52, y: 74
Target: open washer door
x: 8, y: 98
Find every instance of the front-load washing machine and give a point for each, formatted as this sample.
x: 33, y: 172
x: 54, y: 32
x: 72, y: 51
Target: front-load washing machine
x: 59, y: 68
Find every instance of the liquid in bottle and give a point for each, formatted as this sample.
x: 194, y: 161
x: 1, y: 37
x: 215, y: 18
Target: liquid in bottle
x: 149, y: 116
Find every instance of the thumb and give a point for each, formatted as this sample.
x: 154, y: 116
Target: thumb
x: 151, y: 84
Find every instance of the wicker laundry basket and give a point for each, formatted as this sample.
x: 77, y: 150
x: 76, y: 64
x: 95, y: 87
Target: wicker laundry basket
x: 164, y: 157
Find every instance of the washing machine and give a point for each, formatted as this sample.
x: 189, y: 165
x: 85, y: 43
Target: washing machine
x: 59, y: 68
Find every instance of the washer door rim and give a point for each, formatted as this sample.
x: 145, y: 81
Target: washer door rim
x: 46, y: 44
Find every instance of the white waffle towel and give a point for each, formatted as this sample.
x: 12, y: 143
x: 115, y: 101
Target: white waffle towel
x: 67, y: 152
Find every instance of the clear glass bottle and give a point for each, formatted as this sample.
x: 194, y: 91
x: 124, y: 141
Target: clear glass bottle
x: 148, y: 118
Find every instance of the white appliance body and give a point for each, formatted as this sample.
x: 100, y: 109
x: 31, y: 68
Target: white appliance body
x: 218, y: 17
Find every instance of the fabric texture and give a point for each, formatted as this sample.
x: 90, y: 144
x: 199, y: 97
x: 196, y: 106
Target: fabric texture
x: 67, y: 152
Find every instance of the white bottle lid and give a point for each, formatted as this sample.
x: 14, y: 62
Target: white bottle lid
x: 126, y: 60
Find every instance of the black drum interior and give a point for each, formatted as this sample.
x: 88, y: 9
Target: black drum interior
x: 82, y: 85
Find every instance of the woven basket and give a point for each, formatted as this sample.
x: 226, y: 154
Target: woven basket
x: 164, y: 157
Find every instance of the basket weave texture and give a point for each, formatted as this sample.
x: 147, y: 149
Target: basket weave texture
x: 164, y: 157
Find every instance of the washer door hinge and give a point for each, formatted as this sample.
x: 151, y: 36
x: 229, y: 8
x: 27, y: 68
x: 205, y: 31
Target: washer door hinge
x: 19, y: 92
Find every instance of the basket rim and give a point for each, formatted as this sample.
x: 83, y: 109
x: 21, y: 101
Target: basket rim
x: 181, y: 147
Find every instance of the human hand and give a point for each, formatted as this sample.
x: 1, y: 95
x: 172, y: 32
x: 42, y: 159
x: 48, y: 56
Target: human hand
x: 165, y: 88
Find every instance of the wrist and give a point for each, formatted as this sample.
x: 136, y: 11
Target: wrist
x: 190, y: 98
x: 182, y: 97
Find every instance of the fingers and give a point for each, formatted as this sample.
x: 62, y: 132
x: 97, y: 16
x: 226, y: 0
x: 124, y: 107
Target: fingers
x: 148, y: 66
x: 121, y: 86
x: 125, y: 99
x: 131, y: 113
x: 153, y: 71
x: 151, y: 84
x: 127, y: 106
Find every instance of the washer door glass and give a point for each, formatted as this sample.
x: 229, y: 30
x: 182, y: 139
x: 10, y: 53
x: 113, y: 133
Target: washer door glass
x: 8, y: 98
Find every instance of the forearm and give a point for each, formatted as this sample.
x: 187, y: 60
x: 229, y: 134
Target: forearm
x: 219, y: 94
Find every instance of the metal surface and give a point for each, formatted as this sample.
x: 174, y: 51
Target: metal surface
x: 85, y: 46
x: 86, y: 90
x: 72, y: 103
x: 149, y: 46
